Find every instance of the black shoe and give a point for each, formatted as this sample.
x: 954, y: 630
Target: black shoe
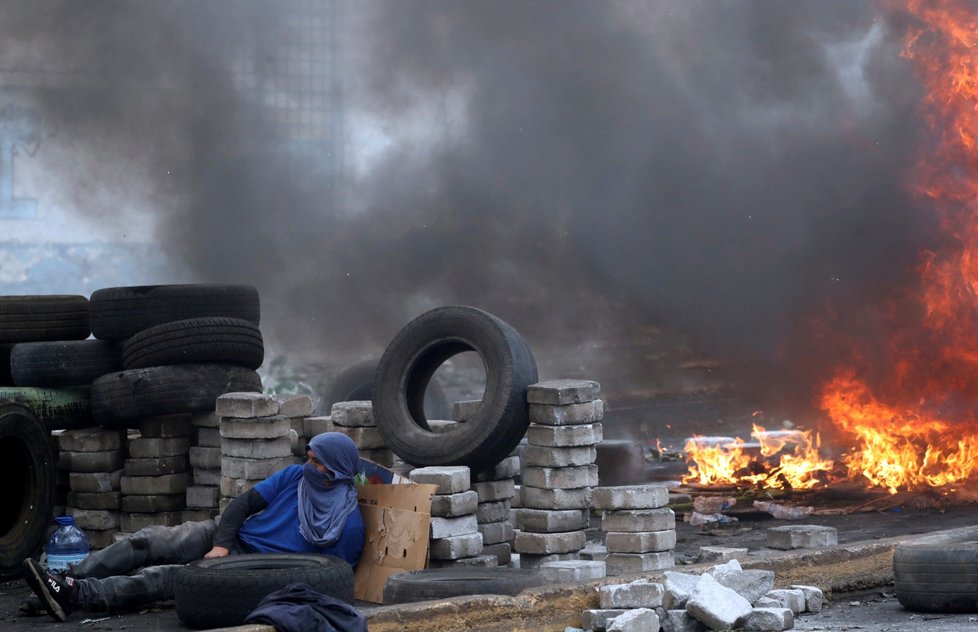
x: 57, y: 593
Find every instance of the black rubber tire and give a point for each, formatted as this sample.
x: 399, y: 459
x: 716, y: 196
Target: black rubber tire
x: 357, y: 384
x: 937, y: 577
x: 64, y: 363
x: 126, y: 396
x: 196, y: 341
x: 39, y: 318
x: 441, y: 583
x: 5, y: 378
x: 118, y: 313
x: 57, y: 408
x: 221, y: 592
x: 27, y: 469
x: 416, y: 353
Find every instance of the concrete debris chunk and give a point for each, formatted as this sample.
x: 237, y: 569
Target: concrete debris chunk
x: 638, y: 520
x: 770, y: 620
x: 767, y: 602
x: 719, y: 607
x: 641, y: 593
x: 572, y: 571
x: 681, y: 621
x: 801, y: 536
x: 561, y: 392
x: 638, y: 620
x: 790, y: 598
x: 356, y: 414
x: 598, y: 620
x: 813, y: 597
x: 750, y: 584
x: 678, y: 587
x: 246, y: 405
x: 630, y: 497
x: 449, y: 479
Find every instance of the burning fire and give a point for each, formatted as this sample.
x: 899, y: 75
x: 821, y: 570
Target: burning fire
x: 907, y: 434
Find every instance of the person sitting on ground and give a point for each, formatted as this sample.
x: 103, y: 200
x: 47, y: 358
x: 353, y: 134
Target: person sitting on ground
x: 309, y: 508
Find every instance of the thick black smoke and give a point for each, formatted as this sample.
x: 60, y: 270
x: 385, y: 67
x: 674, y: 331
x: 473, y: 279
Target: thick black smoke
x: 585, y: 170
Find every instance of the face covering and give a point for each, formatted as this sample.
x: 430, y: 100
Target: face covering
x: 327, y: 500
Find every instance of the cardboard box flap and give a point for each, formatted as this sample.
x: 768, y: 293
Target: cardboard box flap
x: 409, y: 497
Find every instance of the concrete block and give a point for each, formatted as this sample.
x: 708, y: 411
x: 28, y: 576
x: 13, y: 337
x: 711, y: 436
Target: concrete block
x: 719, y: 607
x: 246, y: 405
x: 492, y: 512
x: 106, y: 501
x: 767, y: 602
x: 205, y: 420
x: 638, y: 563
x: 569, y: 415
x: 365, y: 438
x: 456, y: 547
x: 297, y: 437
x: 508, y: 468
x: 641, y: 593
x: 198, y: 514
x: 464, y: 410
x: 790, y: 598
x: 149, y: 485
x: 533, y: 561
x: 209, y: 437
x: 233, y: 487
x: 638, y: 620
x: 206, y: 457
x: 598, y: 620
x: 313, y: 426
x: 133, y: 522
x: 547, y: 543
x: 256, y: 448
x: 380, y: 457
x: 154, y: 503
x: 503, y: 552
x: 97, y: 519
x: 478, y: 561
x: 95, y: 482
x: 564, y: 436
x: 255, y: 469
x: 770, y: 620
x: 572, y: 571
x: 561, y: 477
x: 357, y: 414
x: 638, y: 520
x: 546, y: 521
x: 449, y: 479
x: 720, y: 554
x: 496, y: 532
x: 207, y: 476
x: 643, y: 542
x: 813, y: 597
x: 538, y: 498
x: 681, y: 621
x: 90, y: 440
x: 452, y: 505
x: 166, y: 426
x: 203, y: 496
x: 144, y: 448
x: 450, y: 527
x: 156, y: 467
x: 104, y: 461
x: 593, y: 551
x: 517, y: 499
x: 561, y: 392
x: 537, y: 456
x: 264, y: 428
x: 678, y: 587
x: 630, y: 497
x: 490, y: 491
x: 750, y: 584
x: 294, y: 405
x: 801, y: 536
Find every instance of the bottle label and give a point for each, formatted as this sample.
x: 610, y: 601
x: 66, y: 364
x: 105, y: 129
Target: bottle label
x: 61, y: 562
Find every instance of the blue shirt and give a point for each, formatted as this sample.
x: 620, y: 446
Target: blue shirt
x: 276, y: 528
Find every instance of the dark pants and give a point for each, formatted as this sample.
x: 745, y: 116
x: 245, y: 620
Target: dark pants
x: 155, y: 553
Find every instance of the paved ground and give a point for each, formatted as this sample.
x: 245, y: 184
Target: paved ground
x: 879, y: 611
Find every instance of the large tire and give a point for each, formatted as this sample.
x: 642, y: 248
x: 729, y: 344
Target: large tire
x: 118, y: 313
x: 39, y: 318
x: 65, y: 363
x: 937, y: 577
x: 196, y: 340
x: 126, y: 396
x: 456, y: 582
x: 220, y: 592
x: 412, y: 358
x: 5, y: 378
x: 27, y: 470
x: 57, y: 408
x: 357, y: 384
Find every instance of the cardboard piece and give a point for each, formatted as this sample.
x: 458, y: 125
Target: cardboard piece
x: 396, y: 518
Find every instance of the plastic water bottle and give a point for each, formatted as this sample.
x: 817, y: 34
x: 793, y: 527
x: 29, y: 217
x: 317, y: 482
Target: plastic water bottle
x: 68, y: 545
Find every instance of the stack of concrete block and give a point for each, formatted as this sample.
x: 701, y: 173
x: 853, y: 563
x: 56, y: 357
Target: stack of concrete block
x: 204, y: 494
x: 455, y: 537
x: 558, y: 470
x: 296, y: 408
x: 639, y: 530
x: 356, y: 420
x: 154, y: 484
x: 93, y: 458
x: 255, y: 442
x: 495, y: 488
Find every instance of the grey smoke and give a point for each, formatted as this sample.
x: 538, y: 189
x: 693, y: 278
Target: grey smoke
x: 581, y: 169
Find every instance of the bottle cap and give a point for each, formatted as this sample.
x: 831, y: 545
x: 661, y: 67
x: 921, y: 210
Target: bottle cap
x: 65, y: 521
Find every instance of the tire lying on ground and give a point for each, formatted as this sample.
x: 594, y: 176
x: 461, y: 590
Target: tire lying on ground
x: 28, y: 473
x: 406, y: 369
x: 186, y: 388
x: 357, y: 384
x: 118, y: 313
x: 39, y: 318
x: 441, y: 583
x: 220, y: 592
x: 64, y: 363
x: 196, y: 340
x: 937, y: 577
x: 6, y: 379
